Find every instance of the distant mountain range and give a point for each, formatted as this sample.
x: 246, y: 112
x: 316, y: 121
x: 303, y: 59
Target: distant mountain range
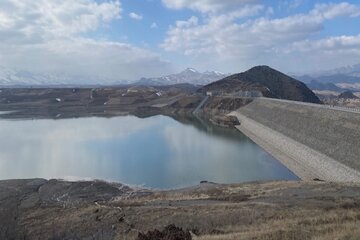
x: 335, y: 79
x: 320, y: 86
x: 353, y: 71
x: 270, y: 82
x: 17, y: 78
x: 10, y: 77
x: 21, y: 78
x: 189, y: 75
x: 345, y: 78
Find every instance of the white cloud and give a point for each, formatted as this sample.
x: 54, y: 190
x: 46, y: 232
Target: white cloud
x: 154, y: 25
x: 193, y: 21
x: 49, y: 36
x: 290, y: 4
x: 333, y: 10
x: 39, y: 20
x: 207, y: 5
x: 326, y: 53
x: 224, y: 38
x: 331, y: 45
x: 86, y: 58
x: 296, y: 3
x: 135, y: 16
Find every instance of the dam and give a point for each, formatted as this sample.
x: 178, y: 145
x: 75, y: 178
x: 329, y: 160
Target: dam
x: 314, y: 141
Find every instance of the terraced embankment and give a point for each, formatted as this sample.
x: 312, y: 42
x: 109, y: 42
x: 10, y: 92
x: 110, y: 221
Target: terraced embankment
x: 314, y: 142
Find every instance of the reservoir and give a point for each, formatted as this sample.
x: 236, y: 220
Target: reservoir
x: 157, y: 152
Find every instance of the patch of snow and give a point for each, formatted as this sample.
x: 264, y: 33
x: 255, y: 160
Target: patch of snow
x: 6, y: 112
x: 219, y: 73
x: 189, y: 75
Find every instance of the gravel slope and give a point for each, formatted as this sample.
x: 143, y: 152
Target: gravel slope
x: 325, y: 142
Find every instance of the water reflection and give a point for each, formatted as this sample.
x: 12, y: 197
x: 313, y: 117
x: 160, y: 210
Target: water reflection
x: 155, y: 152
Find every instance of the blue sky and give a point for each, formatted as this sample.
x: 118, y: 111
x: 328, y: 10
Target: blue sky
x: 129, y: 39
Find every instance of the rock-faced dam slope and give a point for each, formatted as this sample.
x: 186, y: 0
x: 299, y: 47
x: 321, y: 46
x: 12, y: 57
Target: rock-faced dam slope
x: 314, y: 142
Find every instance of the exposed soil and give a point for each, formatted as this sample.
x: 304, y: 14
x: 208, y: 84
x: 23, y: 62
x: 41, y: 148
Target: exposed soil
x: 41, y: 209
x: 58, y: 103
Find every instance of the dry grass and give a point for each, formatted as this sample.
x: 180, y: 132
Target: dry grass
x: 298, y: 225
x: 267, y: 211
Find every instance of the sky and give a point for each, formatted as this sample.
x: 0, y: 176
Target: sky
x: 130, y: 39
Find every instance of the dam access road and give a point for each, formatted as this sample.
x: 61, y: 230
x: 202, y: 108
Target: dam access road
x: 314, y: 141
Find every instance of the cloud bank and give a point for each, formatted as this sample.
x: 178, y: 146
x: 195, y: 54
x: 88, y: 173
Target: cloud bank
x: 207, y: 5
x: 250, y: 35
x: 53, y: 36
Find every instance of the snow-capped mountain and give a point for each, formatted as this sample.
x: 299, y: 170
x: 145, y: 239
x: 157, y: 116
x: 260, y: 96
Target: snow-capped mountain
x: 189, y: 75
x: 14, y: 77
x: 9, y: 77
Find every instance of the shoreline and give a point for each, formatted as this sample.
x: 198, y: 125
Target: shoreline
x: 39, y: 209
x: 303, y: 161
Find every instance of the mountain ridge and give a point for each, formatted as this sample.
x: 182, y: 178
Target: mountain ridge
x: 319, y: 86
x: 270, y: 82
x: 189, y: 75
x: 345, y: 78
x: 22, y: 78
x: 348, y: 95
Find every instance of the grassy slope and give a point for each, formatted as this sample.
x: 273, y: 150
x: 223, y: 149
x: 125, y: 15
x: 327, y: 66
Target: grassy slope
x: 275, y: 210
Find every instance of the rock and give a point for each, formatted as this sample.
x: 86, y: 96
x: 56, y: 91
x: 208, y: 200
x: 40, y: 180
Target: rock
x: 171, y: 232
x: 225, y: 121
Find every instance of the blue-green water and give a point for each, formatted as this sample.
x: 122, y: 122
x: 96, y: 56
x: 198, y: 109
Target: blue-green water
x: 157, y: 152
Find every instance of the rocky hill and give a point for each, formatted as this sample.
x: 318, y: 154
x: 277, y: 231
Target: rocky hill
x: 270, y: 82
x: 348, y: 95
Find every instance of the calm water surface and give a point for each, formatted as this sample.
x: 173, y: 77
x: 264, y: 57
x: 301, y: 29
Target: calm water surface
x: 157, y: 152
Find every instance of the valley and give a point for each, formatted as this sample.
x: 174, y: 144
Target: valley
x: 179, y: 120
x: 282, y: 125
